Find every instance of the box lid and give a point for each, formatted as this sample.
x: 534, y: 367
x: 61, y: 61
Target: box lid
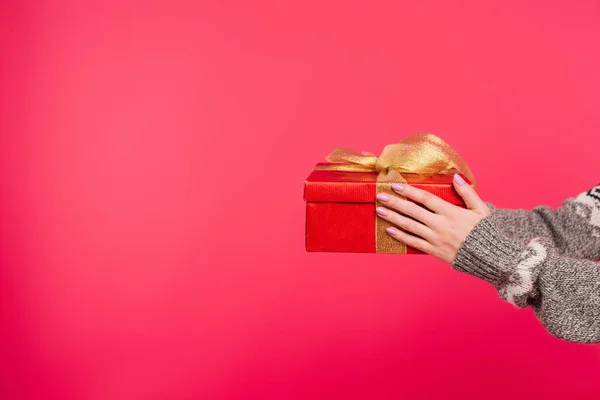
x: 360, y: 187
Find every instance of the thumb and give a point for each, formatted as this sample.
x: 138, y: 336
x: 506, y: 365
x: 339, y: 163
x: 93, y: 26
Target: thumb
x: 468, y: 194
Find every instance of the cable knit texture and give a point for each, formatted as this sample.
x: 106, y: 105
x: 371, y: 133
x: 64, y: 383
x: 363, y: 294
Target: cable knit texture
x: 543, y: 258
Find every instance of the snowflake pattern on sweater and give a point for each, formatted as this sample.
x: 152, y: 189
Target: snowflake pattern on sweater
x: 588, y: 207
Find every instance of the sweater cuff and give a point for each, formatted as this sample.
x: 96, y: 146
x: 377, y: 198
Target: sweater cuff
x: 486, y: 254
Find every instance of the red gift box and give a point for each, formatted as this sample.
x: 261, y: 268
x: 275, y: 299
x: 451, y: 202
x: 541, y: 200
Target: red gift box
x: 340, y: 207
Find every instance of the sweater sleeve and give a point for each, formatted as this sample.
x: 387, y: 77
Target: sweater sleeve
x: 529, y: 270
x: 573, y: 228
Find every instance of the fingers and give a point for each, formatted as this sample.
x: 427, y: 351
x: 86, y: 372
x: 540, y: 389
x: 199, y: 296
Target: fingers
x: 411, y: 208
x: 405, y: 223
x: 468, y: 194
x: 428, y: 199
x: 410, y: 240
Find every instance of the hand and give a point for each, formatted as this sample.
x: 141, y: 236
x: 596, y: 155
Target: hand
x: 439, y: 229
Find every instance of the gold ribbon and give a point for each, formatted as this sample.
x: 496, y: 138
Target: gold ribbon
x: 420, y: 154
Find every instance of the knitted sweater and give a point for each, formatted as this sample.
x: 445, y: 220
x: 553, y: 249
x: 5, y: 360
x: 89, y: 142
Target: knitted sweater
x: 543, y: 258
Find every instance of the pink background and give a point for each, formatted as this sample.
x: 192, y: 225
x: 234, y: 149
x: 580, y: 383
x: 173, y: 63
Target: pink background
x: 152, y: 221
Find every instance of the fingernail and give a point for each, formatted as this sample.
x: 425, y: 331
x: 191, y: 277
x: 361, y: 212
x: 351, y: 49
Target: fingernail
x: 381, y: 211
x: 397, y: 187
x: 391, y: 231
x: 459, y: 179
x: 383, y: 197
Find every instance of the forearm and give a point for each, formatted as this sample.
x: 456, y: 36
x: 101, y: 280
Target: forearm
x: 564, y: 292
x: 573, y: 228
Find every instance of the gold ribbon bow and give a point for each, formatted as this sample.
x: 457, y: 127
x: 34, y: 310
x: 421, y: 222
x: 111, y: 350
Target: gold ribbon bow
x: 420, y: 154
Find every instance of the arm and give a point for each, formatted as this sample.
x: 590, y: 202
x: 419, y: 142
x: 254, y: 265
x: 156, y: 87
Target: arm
x: 564, y: 292
x: 573, y: 228
x: 527, y: 268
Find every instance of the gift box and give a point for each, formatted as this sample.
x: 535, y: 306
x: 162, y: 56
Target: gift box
x: 340, y: 194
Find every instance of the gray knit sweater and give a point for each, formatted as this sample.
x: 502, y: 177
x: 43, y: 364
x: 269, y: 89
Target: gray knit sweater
x: 543, y: 258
